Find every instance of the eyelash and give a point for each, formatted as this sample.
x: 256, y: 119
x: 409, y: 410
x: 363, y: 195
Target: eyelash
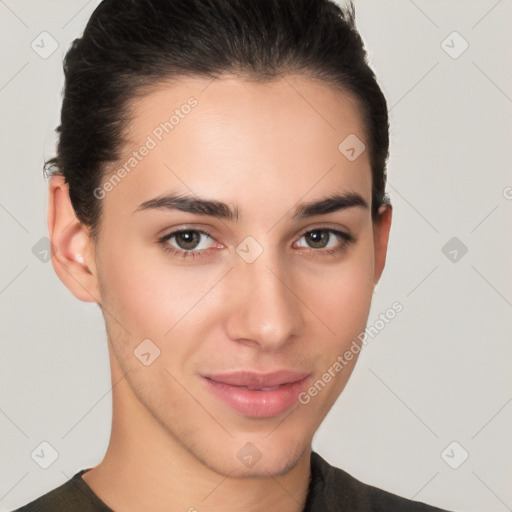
x: 347, y: 239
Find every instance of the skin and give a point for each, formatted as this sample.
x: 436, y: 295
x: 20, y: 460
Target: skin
x: 264, y: 148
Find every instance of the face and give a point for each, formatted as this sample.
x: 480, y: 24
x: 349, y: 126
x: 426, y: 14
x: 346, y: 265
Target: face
x: 231, y: 322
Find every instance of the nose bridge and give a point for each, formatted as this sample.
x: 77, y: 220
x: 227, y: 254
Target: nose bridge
x: 265, y: 309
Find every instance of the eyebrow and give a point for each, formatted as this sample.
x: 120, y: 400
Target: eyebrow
x: 220, y: 210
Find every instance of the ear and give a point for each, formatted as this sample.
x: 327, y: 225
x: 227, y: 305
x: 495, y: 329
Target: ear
x: 73, y: 254
x: 381, y: 230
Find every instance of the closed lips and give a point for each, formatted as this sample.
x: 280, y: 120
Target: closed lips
x: 259, y: 381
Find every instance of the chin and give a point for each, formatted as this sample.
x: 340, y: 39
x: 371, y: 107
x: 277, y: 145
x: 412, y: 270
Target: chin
x: 254, y: 460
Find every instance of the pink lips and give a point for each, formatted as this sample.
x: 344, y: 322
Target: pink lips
x: 258, y: 395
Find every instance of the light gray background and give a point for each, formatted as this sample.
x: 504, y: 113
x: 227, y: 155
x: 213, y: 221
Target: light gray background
x: 439, y: 372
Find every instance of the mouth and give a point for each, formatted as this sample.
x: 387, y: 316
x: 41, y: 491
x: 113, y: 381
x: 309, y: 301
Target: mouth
x: 258, y: 395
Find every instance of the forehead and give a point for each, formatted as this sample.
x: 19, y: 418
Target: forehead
x: 232, y: 139
x: 233, y: 102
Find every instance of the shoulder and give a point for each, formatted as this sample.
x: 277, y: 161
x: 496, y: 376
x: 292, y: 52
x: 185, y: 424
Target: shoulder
x: 338, y: 490
x: 71, y: 495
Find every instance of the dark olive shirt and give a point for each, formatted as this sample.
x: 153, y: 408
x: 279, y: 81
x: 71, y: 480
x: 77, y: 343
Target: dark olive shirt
x: 331, y: 490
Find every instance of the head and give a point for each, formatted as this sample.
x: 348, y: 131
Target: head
x: 219, y: 191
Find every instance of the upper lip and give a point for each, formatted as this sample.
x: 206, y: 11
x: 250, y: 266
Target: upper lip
x: 258, y: 380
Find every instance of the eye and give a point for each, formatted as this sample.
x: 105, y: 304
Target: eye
x: 186, y: 242
x: 325, y: 240
x: 189, y: 243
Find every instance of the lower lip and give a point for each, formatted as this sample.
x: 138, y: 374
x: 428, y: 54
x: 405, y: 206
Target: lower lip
x: 256, y: 403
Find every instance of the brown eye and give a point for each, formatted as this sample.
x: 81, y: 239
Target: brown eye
x: 318, y: 238
x: 325, y: 241
x: 187, y: 241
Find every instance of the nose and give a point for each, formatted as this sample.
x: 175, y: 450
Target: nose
x: 265, y: 309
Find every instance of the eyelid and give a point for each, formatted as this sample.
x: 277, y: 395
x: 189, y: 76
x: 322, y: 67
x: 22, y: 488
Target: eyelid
x: 177, y: 231
x: 342, y: 233
x: 326, y: 226
x: 345, y: 237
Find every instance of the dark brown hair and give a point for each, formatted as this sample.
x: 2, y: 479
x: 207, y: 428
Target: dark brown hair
x: 130, y: 45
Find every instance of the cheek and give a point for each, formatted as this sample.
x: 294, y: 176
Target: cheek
x: 148, y: 294
x: 155, y: 298
x: 342, y: 302
x: 343, y: 294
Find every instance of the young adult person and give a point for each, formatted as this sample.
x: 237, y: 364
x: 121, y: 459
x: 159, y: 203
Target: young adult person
x: 219, y: 192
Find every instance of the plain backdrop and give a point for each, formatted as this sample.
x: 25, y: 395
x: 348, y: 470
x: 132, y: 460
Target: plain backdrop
x: 427, y: 413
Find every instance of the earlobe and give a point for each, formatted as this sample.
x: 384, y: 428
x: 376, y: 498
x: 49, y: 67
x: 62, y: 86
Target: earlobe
x: 73, y: 256
x: 380, y: 238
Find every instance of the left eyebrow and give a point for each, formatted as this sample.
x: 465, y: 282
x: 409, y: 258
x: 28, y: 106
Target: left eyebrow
x: 218, y: 209
x: 330, y: 204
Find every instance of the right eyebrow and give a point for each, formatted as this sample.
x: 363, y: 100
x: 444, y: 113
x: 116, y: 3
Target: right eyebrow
x: 191, y: 204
